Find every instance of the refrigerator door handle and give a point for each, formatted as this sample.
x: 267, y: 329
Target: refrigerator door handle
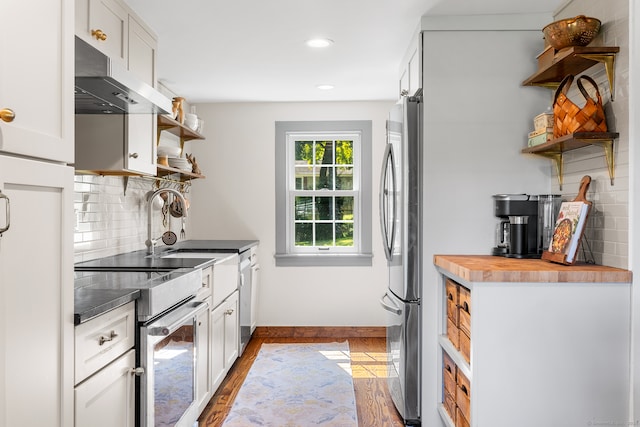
x: 393, y: 309
x: 386, y: 193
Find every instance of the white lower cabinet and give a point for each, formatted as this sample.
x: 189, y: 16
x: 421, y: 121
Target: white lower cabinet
x: 107, y: 399
x: 532, y: 354
x: 224, y: 338
x: 36, y: 292
x: 203, y: 359
x: 105, y: 364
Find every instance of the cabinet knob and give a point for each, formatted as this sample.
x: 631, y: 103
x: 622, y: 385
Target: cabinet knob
x: 7, y: 115
x: 99, y: 35
x: 138, y: 372
x: 229, y: 312
x: 133, y: 155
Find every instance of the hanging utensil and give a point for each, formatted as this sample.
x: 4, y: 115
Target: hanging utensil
x: 183, y: 233
x: 165, y: 212
x: 176, y: 208
x: 169, y: 237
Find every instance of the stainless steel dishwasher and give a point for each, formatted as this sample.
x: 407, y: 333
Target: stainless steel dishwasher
x: 245, y: 299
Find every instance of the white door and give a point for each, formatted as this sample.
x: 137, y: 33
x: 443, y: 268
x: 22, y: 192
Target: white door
x: 107, y: 398
x: 231, y: 330
x: 203, y: 360
x: 36, y: 294
x: 36, y: 79
x: 217, y: 346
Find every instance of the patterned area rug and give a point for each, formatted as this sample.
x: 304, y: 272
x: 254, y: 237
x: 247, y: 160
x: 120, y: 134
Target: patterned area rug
x: 297, y: 385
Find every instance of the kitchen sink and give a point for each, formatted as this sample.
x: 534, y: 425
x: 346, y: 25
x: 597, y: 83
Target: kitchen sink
x: 188, y: 255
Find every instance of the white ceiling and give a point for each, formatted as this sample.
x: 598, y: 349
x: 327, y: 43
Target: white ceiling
x: 254, y: 50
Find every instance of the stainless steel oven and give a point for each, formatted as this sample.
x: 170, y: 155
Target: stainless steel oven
x: 168, y: 356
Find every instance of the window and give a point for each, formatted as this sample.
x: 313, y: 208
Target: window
x: 323, y: 193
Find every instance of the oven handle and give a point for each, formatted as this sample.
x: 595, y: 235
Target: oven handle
x: 168, y: 324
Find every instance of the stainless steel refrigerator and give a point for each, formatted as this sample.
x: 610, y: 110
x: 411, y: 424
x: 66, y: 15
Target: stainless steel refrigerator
x: 400, y: 219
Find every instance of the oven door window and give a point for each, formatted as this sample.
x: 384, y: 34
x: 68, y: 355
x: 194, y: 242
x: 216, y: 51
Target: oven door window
x: 173, y: 370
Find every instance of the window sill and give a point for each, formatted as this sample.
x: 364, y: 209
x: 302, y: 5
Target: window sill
x: 324, y: 260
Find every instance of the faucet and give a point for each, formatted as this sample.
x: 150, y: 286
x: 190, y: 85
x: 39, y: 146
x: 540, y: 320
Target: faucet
x: 151, y: 242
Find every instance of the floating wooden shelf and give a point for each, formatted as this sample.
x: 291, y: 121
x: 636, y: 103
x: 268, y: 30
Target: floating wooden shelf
x: 555, y: 148
x: 174, y: 127
x: 185, y: 134
x: 183, y: 175
x: 574, y: 60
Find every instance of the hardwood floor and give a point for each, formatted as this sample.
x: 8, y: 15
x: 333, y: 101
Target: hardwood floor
x: 368, y: 364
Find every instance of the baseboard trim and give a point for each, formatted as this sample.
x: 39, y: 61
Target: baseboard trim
x: 321, y: 331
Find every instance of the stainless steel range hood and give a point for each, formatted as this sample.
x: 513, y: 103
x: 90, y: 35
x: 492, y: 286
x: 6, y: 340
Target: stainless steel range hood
x: 105, y: 87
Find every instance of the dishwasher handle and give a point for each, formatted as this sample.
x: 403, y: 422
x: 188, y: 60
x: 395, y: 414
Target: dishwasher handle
x: 392, y: 308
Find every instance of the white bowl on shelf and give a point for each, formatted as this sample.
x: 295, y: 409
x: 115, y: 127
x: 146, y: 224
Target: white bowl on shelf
x: 165, y: 150
x: 191, y: 121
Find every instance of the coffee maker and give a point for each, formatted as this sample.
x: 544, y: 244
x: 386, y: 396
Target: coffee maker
x: 516, y: 233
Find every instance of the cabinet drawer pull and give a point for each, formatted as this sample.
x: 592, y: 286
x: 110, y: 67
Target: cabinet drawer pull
x: 229, y: 312
x: 133, y: 155
x: 7, y: 213
x: 104, y: 339
x: 99, y: 35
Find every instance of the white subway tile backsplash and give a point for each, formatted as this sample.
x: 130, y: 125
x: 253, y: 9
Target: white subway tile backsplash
x: 111, y: 221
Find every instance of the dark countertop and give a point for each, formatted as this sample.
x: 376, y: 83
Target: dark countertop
x: 237, y: 246
x: 138, y: 261
x: 90, y: 303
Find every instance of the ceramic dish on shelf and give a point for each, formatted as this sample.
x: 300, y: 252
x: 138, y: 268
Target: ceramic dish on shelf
x: 179, y: 163
x: 165, y: 150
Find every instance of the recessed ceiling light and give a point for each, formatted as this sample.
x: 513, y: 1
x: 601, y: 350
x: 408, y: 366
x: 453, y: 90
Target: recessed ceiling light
x: 319, y: 42
x: 325, y: 87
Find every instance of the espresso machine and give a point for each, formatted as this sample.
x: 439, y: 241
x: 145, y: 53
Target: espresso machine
x: 517, y: 229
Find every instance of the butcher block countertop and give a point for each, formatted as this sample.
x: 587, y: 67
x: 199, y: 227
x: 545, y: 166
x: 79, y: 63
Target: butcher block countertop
x: 487, y: 268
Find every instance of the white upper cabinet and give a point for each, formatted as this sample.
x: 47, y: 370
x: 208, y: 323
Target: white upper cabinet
x: 104, y: 24
x: 36, y: 79
x: 142, y: 52
x: 410, y: 79
x: 114, y: 29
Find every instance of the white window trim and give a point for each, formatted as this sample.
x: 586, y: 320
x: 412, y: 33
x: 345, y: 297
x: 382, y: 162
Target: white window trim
x: 286, y: 254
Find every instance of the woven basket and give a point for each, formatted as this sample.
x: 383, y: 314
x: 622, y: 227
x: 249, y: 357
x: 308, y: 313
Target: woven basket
x: 569, y: 118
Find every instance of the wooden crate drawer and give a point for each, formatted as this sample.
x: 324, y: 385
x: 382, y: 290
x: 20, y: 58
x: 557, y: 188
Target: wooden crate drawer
x: 460, y: 420
x: 463, y: 395
x: 103, y: 339
x: 449, y: 374
x: 452, y: 333
x: 464, y: 310
x: 452, y: 300
x: 450, y: 406
x: 464, y: 345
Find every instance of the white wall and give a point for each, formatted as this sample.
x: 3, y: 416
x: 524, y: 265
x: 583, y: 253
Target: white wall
x: 477, y: 118
x: 634, y: 198
x: 237, y: 201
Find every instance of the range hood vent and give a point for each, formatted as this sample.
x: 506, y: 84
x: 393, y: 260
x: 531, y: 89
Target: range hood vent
x: 104, y: 87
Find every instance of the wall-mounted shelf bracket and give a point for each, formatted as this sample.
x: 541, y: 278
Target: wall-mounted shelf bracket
x: 556, y: 148
x: 608, y: 59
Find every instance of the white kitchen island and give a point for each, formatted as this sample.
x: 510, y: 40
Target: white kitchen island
x: 549, y: 344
